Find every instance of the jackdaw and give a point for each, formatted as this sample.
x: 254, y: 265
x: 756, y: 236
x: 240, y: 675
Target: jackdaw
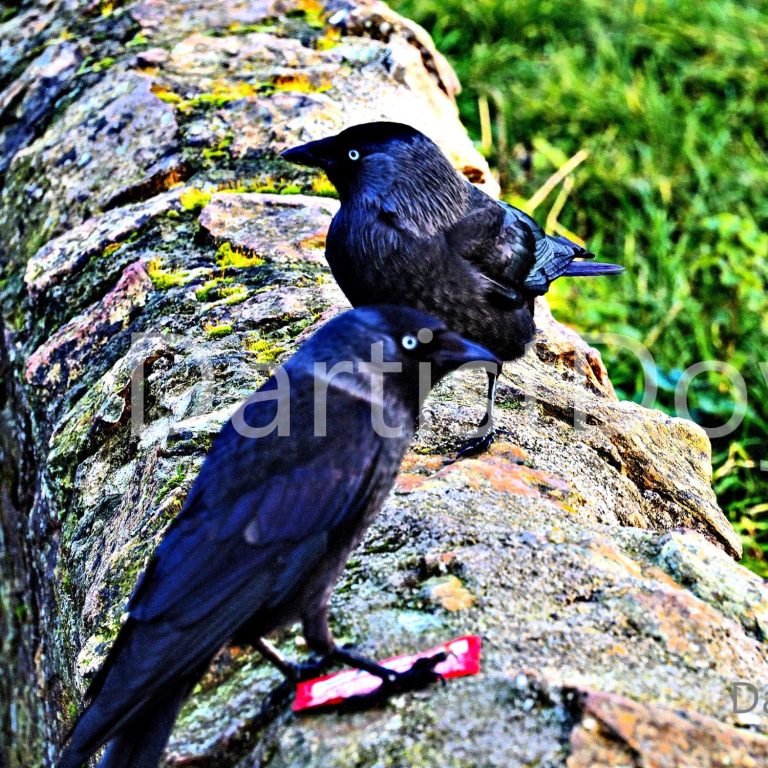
x: 411, y: 230
x: 285, y: 494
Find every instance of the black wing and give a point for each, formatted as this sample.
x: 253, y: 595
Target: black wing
x: 553, y: 256
x: 513, y: 252
x: 256, y: 523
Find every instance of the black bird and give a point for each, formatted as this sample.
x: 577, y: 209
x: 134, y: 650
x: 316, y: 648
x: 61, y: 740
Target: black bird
x: 411, y: 230
x: 288, y: 489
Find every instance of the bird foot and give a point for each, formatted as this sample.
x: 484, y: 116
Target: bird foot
x: 306, y: 670
x: 478, y: 445
x: 419, y: 675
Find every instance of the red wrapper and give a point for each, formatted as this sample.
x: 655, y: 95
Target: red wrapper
x: 463, y: 659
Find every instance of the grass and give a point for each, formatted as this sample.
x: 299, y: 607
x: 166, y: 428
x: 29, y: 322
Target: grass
x: 664, y: 104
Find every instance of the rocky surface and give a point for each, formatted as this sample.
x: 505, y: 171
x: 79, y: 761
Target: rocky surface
x: 158, y: 259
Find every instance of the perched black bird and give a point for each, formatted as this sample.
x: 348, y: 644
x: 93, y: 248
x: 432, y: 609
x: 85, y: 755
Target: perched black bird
x: 413, y: 231
x: 286, y: 492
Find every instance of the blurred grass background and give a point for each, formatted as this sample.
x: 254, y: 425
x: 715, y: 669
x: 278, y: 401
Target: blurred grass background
x: 661, y: 107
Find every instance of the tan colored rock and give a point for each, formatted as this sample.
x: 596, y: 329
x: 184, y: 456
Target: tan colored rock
x: 619, y: 732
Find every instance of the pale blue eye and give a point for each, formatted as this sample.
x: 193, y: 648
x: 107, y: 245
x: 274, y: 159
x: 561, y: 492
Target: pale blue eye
x: 353, y: 154
x: 409, y: 342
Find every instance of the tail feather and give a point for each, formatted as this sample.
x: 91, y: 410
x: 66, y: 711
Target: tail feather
x: 139, y: 744
x: 591, y: 269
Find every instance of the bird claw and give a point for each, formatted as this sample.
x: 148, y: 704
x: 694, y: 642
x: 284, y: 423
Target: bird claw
x: 306, y: 670
x: 419, y: 675
x: 478, y: 445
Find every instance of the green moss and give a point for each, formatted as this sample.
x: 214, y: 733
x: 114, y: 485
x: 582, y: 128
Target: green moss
x: 235, y: 295
x: 102, y: 64
x: 264, y: 350
x: 21, y: 612
x: 89, y: 65
x: 137, y: 40
x: 112, y: 248
x: 85, y: 67
x: 225, y: 92
x: 221, y: 288
x: 228, y: 257
x: 211, y: 287
x: 245, y: 29
x: 6, y: 14
x: 294, y: 329
x: 277, y: 186
x: 194, y: 199
x: 16, y: 319
x: 212, y: 154
x: 174, y: 481
x: 217, y: 331
x: 164, y: 279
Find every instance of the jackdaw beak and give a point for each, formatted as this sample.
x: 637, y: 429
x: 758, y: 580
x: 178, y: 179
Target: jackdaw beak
x: 456, y: 351
x: 314, y: 154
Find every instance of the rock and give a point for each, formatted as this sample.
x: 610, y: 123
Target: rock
x: 79, y: 166
x: 160, y: 259
x: 26, y: 105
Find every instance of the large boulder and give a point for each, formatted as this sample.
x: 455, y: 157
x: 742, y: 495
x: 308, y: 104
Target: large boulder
x: 158, y: 259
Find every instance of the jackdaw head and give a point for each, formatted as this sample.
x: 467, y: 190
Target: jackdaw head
x: 407, y: 350
x: 391, y: 165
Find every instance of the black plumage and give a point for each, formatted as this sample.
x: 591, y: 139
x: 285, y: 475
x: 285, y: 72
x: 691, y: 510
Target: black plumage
x: 411, y: 230
x: 268, y: 524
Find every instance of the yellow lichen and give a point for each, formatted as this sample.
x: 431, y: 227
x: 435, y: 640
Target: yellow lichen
x: 329, y: 40
x: 450, y: 593
x: 110, y: 249
x: 221, y: 93
x: 193, y: 199
x: 165, y: 94
x: 312, y: 11
x: 299, y: 82
x: 322, y: 187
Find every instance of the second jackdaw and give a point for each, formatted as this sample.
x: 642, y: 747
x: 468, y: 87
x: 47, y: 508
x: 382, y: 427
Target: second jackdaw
x: 411, y: 230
